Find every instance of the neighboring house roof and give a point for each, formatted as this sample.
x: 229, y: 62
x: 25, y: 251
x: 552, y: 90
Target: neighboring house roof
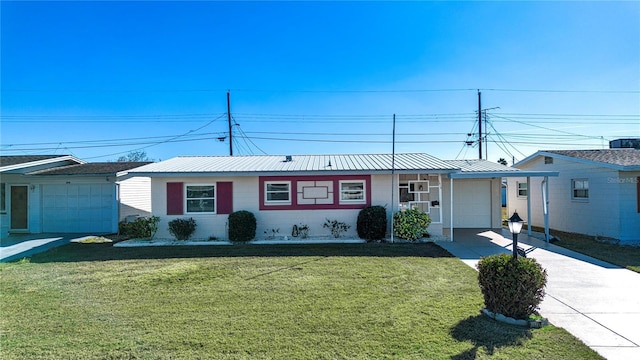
x: 278, y: 164
x: 618, y: 159
x: 479, y: 165
x: 89, y: 169
x: 16, y: 162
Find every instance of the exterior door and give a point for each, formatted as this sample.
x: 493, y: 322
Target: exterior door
x: 19, y: 199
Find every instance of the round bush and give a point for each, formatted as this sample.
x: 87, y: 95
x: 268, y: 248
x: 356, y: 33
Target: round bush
x: 410, y: 224
x: 372, y: 223
x: 511, y: 287
x: 242, y: 226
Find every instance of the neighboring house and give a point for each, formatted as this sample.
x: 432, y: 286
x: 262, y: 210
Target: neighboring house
x: 283, y: 191
x: 596, y: 193
x: 61, y: 193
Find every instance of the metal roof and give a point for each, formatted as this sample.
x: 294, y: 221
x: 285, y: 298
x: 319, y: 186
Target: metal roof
x: 479, y: 165
x: 483, y: 169
x: 274, y: 164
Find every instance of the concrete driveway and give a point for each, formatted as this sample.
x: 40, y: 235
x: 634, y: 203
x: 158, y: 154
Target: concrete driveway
x: 597, y: 302
x: 17, y: 246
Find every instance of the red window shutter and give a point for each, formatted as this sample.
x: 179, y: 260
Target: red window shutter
x: 175, y: 198
x: 224, y: 198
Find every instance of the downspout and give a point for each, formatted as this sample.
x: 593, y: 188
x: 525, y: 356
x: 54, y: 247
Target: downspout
x: 529, y: 205
x: 393, y: 172
x: 545, y: 206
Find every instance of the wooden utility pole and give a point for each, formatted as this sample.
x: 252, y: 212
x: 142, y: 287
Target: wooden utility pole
x: 479, y: 125
x: 229, y: 119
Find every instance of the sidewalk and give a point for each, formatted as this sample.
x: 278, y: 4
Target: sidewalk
x: 597, y: 302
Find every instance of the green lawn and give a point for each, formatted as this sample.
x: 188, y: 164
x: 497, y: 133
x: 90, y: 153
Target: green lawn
x: 364, y: 301
x: 624, y: 256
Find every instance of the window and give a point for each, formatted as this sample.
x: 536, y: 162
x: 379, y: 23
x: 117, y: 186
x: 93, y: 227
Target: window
x: 3, y: 198
x: 278, y: 192
x: 548, y: 160
x: 580, y: 189
x: 352, y: 191
x: 522, y: 189
x: 201, y: 198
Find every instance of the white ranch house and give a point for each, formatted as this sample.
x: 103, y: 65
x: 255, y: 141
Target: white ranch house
x: 283, y: 191
x: 596, y: 193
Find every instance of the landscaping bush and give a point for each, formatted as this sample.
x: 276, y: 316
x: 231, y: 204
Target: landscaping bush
x: 336, y: 227
x: 511, y: 287
x: 182, y: 229
x: 410, y: 224
x: 372, y: 223
x: 242, y: 226
x: 141, y: 228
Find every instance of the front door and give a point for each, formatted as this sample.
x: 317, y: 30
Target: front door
x: 19, y: 196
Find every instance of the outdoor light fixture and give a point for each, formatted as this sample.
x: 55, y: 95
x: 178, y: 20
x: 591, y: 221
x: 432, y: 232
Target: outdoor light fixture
x: 515, y: 226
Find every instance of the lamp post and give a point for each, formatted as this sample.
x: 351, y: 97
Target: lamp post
x: 515, y: 226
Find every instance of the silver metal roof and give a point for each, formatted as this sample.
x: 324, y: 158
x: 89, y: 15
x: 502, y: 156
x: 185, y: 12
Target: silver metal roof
x: 478, y: 165
x: 273, y: 164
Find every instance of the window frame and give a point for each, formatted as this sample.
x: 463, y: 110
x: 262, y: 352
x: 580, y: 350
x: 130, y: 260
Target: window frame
x: 353, y: 201
x: 518, y: 189
x: 582, y: 181
x: 187, y: 199
x: 277, y: 202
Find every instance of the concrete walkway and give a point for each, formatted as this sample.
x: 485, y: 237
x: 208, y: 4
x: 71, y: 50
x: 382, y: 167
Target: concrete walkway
x: 597, y: 302
x: 17, y: 246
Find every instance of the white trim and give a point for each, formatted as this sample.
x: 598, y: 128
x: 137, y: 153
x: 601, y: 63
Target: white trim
x: 277, y: 202
x: 518, y: 183
x: 353, y: 201
x: 573, y: 189
x: 186, y: 199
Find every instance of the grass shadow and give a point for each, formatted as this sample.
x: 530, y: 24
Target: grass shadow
x: 105, y: 252
x: 488, y: 334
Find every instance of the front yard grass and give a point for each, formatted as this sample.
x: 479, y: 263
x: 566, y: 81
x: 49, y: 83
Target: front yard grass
x: 623, y: 256
x: 362, y: 301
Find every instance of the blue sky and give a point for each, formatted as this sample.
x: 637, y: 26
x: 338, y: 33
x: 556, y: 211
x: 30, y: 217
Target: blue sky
x: 100, y: 79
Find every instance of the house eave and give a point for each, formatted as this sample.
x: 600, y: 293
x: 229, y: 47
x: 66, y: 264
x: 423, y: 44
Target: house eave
x: 127, y: 175
x: 40, y: 162
x: 500, y: 174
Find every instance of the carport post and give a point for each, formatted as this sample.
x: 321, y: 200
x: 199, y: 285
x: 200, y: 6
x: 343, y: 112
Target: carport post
x: 545, y: 206
x: 529, y: 205
x: 451, y: 207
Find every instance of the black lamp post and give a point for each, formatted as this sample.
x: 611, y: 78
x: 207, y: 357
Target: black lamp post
x: 515, y: 226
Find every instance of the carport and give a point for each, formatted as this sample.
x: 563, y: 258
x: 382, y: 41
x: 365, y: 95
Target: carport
x: 473, y: 198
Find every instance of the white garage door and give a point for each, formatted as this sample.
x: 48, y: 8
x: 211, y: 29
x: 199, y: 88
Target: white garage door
x: 472, y: 204
x: 78, y: 208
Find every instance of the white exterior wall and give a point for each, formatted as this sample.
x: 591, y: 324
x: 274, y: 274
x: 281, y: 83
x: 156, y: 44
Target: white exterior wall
x: 246, y: 197
x: 135, y: 197
x: 597, y: 216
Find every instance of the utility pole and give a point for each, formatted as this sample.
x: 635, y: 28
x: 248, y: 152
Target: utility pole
x: 229, y: 119
x: 479, y: 125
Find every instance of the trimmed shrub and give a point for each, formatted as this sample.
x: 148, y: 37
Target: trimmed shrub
x: 410, y: 224
x: 511, y: 287
x: 140, y: 228
x: 242, y: 226
x: 372, y: 223
x: 336, y: 227
x: 182, y: 229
